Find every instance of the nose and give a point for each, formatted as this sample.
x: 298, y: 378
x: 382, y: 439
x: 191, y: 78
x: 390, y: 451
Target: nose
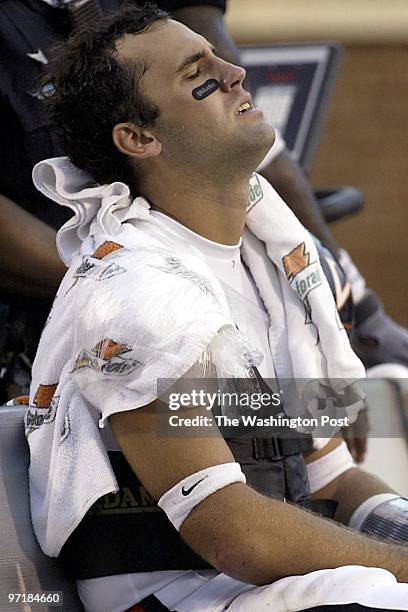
x: 232, y: 76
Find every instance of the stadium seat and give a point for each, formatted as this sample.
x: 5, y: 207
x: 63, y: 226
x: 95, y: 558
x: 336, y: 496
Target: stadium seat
x: 23, y: 567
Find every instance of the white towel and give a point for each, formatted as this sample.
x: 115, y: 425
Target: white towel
x: 312, y: 321
x: 102, y: 210
x: 67, y: 449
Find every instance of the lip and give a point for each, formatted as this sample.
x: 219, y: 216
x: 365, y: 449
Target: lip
x: 249, y: 113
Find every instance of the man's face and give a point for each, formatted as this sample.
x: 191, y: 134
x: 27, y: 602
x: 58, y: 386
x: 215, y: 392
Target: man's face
x: 206, y: 132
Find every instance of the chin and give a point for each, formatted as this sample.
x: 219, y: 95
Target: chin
x: 258, y: 145
x: 269, y: 134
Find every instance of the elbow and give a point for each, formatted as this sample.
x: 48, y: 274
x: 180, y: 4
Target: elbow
x: 231, y: 546
x: 221, y: 531
x: 243, y: 560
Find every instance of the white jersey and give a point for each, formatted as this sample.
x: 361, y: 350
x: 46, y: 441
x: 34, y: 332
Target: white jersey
x: 136, y: 305
x: 252, y: 319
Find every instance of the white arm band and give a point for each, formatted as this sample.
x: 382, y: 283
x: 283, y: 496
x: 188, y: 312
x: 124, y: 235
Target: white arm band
x: 360, y: 514
x: 327, y: 468
x: 179, y: 501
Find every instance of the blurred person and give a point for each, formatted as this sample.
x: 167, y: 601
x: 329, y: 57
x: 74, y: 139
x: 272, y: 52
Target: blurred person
x: 30, y: 268
x: 161, y: 286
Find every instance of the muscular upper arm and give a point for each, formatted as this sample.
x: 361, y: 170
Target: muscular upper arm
x: 29, y: 267
x: 160, y: 462
x: 350, y: 486
x: 315, y: 454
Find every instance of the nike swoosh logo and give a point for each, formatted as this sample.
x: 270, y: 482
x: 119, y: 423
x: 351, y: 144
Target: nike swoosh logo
x: 38, y: 57
x: 186, y: 492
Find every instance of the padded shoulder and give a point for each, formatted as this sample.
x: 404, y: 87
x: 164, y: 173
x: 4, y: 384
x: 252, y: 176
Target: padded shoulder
x: 151, y: 289
x: 141, y: 315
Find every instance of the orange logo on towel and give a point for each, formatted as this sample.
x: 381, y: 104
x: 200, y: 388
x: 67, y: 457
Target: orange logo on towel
x: 107, y: 348
x: 106, y: 248
x: 44, y: 409
x: 107, y: 356
x: 44, y: 395
x: 296, y: 261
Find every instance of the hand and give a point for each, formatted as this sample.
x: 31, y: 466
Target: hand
x: 355, y: 436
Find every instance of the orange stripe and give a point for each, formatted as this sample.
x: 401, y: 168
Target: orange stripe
x: 106, y: 248
x: 44, y: 395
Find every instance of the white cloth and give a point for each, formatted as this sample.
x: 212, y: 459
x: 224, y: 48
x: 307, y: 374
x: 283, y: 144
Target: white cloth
x: 374, y: 588
x: 177, y: 503
x: 354, y: 276
x: 103, y: 211
x: 291, y: 248
x: 393, y: 371
x: 246, y: 306
x: 364, y: 509
x: 330, y: 466
x: 148, y: 310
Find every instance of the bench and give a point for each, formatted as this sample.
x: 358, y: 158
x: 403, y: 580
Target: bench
x: 23, y: 566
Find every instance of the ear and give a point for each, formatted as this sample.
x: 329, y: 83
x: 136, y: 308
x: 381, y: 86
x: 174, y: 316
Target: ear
x: 134, y: 141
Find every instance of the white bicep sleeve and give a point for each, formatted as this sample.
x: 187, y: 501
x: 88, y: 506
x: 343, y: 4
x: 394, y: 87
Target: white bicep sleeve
x: 324, y: 470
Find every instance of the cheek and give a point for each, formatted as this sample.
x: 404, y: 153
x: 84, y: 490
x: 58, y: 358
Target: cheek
x: 192, y: 120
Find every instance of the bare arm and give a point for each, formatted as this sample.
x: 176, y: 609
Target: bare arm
x: 238, y: 531
x: 29, y: 262
x: 351, y: 488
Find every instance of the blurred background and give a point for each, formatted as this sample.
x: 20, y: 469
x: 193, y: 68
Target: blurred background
x: 365, y: 137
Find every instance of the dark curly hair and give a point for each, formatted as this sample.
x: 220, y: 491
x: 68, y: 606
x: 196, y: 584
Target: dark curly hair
x: 92, y: 91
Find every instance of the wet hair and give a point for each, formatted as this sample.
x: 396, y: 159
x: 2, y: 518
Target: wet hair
x: 92, y: 90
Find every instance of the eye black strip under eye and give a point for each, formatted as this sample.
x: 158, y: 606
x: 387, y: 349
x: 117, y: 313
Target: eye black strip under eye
x: 206, y: 89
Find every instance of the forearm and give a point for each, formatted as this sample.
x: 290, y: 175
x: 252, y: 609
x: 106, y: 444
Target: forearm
x: 351, y: 489
x: 238, y: 531
x: 293, y: 187
x: 258, y: 540
x: 29, y: 262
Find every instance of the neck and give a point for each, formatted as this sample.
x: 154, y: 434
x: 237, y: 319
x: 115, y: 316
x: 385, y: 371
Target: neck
x: 213, y: 209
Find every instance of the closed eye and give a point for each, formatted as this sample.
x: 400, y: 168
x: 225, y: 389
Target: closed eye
x: 194, y: 75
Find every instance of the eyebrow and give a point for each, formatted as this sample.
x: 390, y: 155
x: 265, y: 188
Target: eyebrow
x: 192, y: 59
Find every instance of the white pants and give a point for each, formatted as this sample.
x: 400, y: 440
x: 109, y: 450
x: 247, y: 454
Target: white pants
x: 202, y: 592
x: 371, y: 587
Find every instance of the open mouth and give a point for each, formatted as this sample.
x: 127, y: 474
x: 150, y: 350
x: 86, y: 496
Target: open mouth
x: 244, y: 108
